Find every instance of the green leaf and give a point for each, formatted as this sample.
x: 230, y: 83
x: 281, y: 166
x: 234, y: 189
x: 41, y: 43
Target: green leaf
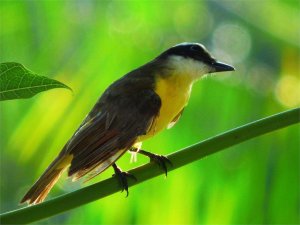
x: 18, y: 82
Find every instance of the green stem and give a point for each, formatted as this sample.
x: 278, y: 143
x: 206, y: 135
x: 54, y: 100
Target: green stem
x: 150, y: 170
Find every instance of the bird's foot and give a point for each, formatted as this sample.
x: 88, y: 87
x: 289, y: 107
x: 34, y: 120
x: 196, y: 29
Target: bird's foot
x: 160, y: 160
x: 122, y: 178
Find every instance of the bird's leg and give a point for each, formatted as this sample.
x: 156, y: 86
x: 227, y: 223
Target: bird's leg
x: 160, y: 160
x: 122, y: 177
x: 136, y: 147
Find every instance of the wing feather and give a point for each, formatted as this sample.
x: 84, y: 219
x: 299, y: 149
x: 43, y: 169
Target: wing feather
x: 107, y: 134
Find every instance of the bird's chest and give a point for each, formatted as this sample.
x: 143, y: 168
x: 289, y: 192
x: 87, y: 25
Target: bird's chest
x: 174, y: 93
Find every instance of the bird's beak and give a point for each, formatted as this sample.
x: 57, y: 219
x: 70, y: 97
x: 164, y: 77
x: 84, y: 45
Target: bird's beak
x: 219, y: 67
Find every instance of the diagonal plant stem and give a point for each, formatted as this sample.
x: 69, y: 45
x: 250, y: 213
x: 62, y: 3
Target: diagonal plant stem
x: 150, y: 170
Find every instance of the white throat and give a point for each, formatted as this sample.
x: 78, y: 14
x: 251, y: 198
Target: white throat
x: 188, y: 67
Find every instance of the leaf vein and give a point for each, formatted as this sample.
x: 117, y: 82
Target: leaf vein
x: 33, y: 87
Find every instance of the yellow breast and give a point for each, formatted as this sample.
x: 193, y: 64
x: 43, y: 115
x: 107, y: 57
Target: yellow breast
x: 174, y: 92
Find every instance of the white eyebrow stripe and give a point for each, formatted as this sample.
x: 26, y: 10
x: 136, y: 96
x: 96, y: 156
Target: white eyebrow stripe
x: 190, y: 43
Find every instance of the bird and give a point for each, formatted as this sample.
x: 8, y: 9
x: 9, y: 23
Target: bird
x: 131, y: 110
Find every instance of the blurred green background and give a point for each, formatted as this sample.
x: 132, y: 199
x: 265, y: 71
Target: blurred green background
x: 89, y: 44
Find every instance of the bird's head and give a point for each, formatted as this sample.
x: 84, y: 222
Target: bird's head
x: 192, y: 59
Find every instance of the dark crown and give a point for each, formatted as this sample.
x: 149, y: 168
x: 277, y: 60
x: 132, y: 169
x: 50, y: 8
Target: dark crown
x: 192, y: 50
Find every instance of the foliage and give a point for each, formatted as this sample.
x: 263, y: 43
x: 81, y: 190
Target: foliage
x: 89, y: 44
x: 18, y: 82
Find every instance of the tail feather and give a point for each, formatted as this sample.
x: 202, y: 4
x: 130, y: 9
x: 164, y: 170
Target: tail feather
x: 41, y: 188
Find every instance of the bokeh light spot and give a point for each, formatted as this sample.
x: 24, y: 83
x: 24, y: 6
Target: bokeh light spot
x: 288, y: 91
x: 192, y: 21
x: 121, y: 19
x: 259, y: 78
x: 234, y: 39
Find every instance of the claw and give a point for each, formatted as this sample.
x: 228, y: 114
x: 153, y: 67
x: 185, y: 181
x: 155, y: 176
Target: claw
x: 161, y: 161
x: 122, y: 178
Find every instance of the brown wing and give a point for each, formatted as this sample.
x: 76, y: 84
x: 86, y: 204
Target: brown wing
x: 112, y: 127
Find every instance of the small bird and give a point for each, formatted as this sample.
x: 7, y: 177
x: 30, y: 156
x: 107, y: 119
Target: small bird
x: 131, y: 110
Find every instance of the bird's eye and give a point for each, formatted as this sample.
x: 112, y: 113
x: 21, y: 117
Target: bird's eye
x: 195, y: 48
